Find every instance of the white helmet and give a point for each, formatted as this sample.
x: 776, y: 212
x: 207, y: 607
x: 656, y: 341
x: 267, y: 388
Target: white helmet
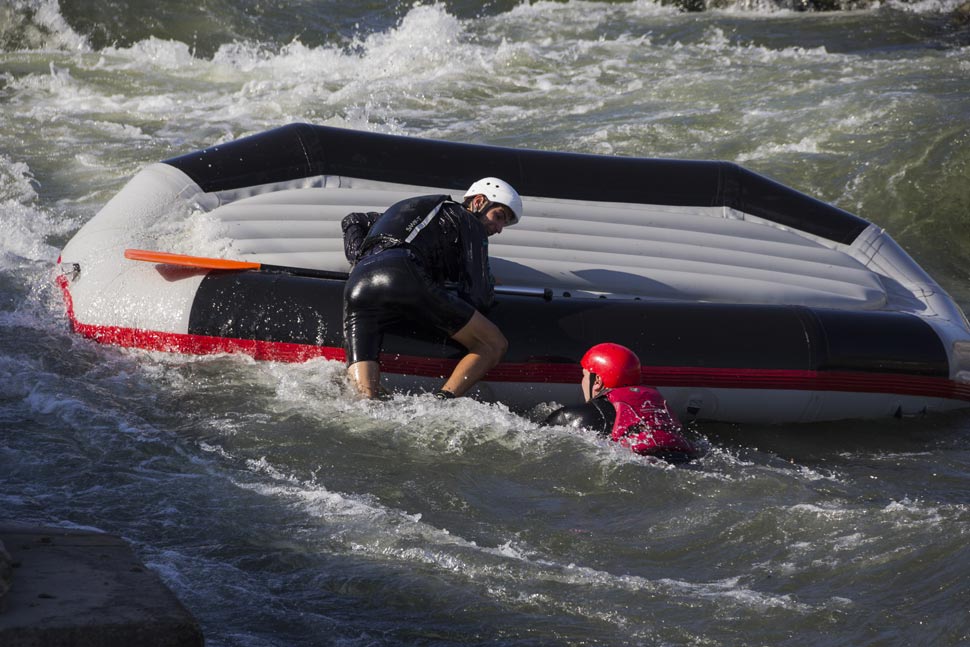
x: 499, y: 191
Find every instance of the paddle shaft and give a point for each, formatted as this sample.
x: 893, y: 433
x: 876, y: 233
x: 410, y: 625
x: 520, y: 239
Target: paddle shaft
x: 303, y: 271
x: 230, y: 265
x: 544, y: 293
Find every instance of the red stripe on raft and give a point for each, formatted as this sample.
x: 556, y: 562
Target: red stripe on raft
x: 194, y: 344
x: 528, y: 372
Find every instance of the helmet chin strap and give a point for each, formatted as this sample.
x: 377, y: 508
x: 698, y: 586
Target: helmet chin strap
x: 592, y: 379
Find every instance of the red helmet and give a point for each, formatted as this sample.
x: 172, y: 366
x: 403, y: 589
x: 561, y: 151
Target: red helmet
x: 615, y: 364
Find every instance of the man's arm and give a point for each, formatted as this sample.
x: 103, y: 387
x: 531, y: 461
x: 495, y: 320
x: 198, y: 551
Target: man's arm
x: 355, y: 227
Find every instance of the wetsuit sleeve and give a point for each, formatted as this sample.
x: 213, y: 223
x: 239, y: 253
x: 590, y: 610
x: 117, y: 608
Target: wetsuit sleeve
x: 355, y: 227
x: 591, y: 415
x: 477, y: 286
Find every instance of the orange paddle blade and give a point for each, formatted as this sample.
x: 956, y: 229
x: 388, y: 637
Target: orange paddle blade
x: 189, y: 261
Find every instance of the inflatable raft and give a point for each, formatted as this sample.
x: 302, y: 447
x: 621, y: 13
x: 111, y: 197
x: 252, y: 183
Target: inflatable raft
x: 745, y: 299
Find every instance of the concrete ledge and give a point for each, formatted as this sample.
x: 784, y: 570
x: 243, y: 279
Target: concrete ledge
x: 80, y: 588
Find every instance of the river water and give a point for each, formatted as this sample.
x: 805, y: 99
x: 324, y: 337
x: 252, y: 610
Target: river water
x: 282, y: 511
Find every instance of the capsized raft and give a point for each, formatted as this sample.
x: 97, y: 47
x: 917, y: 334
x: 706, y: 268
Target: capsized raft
x: 745, y: 299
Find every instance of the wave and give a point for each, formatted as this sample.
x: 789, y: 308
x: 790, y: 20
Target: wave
x: 37, y: 24
x: 25, y: 226
x: 92, y: 25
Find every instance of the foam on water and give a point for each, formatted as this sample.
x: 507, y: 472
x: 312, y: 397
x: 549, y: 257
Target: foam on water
x: 256, y: 86
x: 37, y: 24
x: 926, y: 6
x: 407, y: 65
x: 432, y: 63
x: 319, y: 389
x: 510, y: 569
x: 24, y: 226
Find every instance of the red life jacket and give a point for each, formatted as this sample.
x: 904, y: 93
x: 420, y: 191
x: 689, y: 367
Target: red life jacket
x: 644, y: 424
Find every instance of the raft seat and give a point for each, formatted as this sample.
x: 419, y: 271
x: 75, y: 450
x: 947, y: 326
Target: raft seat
x: 642, y: 251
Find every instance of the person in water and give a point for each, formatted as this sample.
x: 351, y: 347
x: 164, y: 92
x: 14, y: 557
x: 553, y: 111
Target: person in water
x: 401, y: 261
x: 620, y: 408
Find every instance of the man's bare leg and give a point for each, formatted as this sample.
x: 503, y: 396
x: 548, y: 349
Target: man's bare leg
x: 486, y: 347
x: 366, y: 376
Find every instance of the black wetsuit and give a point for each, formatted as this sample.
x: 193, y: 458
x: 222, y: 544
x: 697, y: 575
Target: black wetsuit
x: 598, y: 415
x: 403, y: 263
x: 355, y: 227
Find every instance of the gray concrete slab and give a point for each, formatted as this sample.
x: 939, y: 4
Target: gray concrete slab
x: 79, y: 588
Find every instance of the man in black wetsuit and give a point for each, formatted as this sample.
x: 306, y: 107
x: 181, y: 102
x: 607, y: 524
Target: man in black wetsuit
x: 402, y: 260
